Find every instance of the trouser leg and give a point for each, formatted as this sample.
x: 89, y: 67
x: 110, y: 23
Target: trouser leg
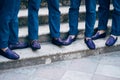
x: 73, y: 16
x: 90, y: 17
x: 13, y: 38
x: 116, y: 18
x: 54, y: 18
x: 103, y: 14
x: 33, y: 23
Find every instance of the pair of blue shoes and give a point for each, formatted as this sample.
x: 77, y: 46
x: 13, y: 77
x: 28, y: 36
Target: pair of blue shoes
x: 34, y: 44
x: 110, y: 41
x: 61, y: 42
x: 8, y: 53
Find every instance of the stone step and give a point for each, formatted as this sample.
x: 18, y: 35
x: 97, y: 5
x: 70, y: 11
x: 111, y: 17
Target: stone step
x: 50, y: 53
x: 43, y: 15
x: 44, y: 33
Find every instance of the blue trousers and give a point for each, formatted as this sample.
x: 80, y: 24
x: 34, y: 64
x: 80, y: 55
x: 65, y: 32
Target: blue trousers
x: 90, y: 17
x: 104, y: 15
x: 54, y: 18
x: 8, y: 22
x: 33, y: 8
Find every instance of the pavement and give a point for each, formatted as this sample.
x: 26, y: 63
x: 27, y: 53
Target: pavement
x: 104, y: 66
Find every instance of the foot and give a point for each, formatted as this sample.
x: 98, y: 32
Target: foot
x: 34, y: 44
x: 99, y: 35
x: 70, y: 39
x: 111, y: 41
x: 57, y: 41
x: 90, y: 44
x: 18, y: 45
x: 9, y: 54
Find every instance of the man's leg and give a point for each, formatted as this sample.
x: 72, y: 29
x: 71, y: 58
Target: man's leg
x: 103, y: 15
x: 54, y: 18
x: 90, y: 17
x: 7, y: 13
x: 14, y: 25
x: 73, y: 16
x: 54, y: 22
x: 33, y: 23
x: 115, y: 31
x: 116, y: 18
x: 90, y: 22
x: 73, y: 21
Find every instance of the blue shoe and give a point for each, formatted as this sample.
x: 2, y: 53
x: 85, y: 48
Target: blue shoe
x: 90, y: 44
x: 98, y: 36
x: 9, y: 54
x: 18, y: 45
x: 34, y: 44
x: 57, y: 41
x: 111, y: 41
x: 69, y: 40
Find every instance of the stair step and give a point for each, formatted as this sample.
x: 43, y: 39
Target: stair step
x: 44, y: 11
x: 43, y: 15
x: 44, y: 33
x: 50, y: 53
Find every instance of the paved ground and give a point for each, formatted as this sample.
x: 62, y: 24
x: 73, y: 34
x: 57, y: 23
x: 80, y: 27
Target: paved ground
x: 100, y: 67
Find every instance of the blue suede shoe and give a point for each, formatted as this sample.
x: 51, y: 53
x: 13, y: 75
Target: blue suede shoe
x: 69, y: 40
x: 57, y: 41
x: 98, y: 36
x: 111, y: 41
x: 34, y: 44
x: 18, y: 45
x: 90, y: 44
x: 9, y: 54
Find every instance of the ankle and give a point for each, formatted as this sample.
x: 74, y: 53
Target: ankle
x: 4, y: 49
x: 87, y: 38
x: 72, y: 36
x: 101, y: 31
x: 114, y: 36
